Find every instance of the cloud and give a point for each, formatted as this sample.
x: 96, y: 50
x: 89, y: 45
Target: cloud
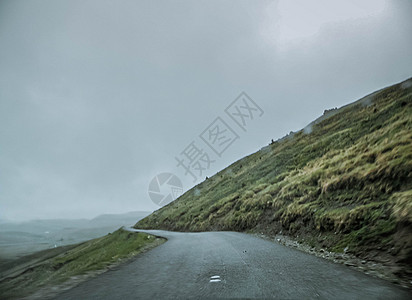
x: 98, y: 97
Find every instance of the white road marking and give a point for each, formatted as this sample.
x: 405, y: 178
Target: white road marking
x: 215, y: 278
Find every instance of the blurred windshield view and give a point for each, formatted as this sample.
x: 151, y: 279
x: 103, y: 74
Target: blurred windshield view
x: 205, y: 149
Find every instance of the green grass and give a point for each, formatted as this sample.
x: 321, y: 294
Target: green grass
x: 93, y: 255
x: 349, y: 179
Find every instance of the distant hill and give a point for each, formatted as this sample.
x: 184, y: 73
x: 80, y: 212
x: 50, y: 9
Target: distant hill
x: 43, y: 225
x: 344, y: 182
x: 124, y: 219
x: 22, y: 238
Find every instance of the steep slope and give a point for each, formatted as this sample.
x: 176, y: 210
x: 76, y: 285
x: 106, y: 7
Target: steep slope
x: 344, y: 182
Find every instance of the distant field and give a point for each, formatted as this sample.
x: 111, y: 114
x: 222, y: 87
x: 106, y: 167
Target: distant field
x: 54, y: 269
x: 20, y: 239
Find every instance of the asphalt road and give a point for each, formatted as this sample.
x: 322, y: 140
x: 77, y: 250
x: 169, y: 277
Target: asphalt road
x: 231, y: 265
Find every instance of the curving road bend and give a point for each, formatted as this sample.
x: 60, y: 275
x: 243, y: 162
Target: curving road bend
x: 231, y: 265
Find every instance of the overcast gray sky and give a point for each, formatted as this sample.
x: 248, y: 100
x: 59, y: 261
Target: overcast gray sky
x: 97, y: 97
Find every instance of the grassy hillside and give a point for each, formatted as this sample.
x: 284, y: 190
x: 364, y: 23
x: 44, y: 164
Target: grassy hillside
x: 19, y: 239
x: 344, y: 182
x: 43, y: 270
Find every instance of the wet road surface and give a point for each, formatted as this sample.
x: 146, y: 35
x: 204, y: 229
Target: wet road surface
x: 231, y: 265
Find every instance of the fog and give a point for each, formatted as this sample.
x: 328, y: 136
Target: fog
x: 98, y: 97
